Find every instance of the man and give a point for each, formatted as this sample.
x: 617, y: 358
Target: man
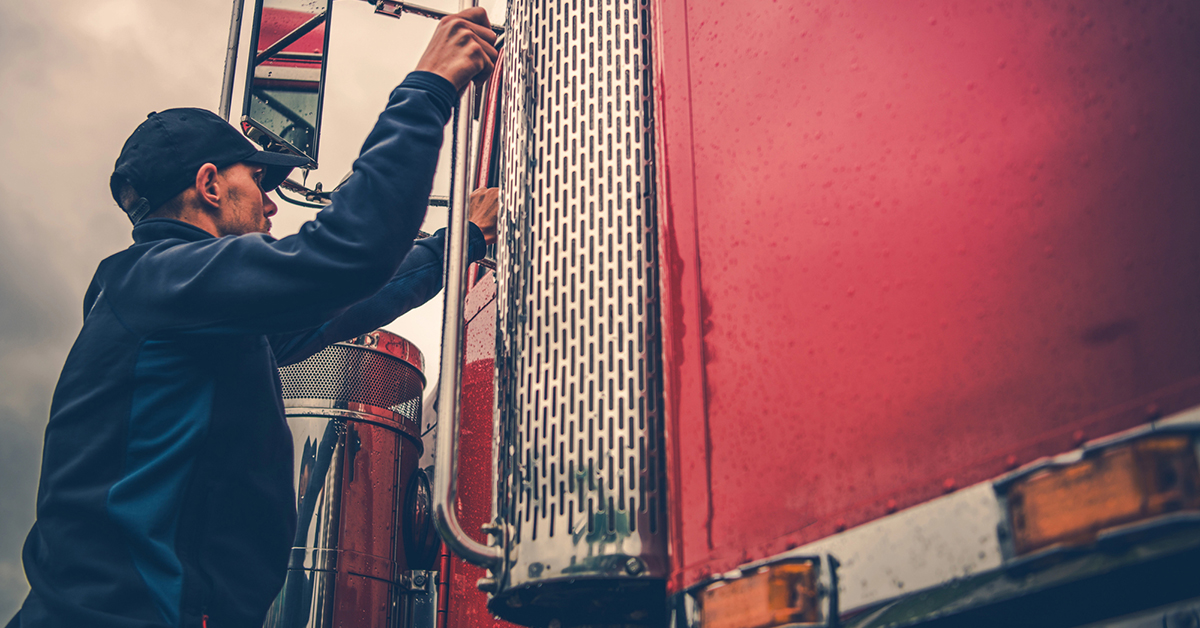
x: 166, y: 495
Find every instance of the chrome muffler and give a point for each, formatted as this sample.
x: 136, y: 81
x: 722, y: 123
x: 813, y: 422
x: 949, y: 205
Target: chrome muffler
x: 354, y: 410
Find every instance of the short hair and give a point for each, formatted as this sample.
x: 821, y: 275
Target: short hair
x: 128, y: 196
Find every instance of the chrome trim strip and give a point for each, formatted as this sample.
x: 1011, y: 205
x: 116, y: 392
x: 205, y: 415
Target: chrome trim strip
x: 957, y: 535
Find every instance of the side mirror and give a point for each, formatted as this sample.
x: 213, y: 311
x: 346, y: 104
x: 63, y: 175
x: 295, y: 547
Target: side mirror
x: 285, y: 83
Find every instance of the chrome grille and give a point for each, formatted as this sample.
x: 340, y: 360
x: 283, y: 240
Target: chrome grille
x: 578, y: 386
x: 349, y: 373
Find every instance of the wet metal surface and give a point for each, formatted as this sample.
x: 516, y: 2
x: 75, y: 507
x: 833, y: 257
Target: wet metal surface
x: 907, y: 248
x: 578, y: 363
x: 354, y: 412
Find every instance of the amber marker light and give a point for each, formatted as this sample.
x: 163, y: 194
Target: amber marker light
x: 1131, y: 482
x: 784, y: 593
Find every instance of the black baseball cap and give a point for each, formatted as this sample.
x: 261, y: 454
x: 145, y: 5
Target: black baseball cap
x: 161, y: 157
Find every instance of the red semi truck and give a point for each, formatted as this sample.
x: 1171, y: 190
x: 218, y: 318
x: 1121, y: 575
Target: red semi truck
x: 826, y: 313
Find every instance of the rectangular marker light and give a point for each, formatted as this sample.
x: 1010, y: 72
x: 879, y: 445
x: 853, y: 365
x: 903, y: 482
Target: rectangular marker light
x: 784, y: 593
x: 1127, y: 483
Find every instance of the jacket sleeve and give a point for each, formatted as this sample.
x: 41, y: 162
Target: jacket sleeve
x: 417, y: 280
x: 256, y: 284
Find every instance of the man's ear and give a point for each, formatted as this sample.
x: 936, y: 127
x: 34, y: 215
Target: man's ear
x: 209, y: 188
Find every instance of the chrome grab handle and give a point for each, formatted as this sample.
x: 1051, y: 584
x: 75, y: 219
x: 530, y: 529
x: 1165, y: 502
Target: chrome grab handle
x: 445, y: 475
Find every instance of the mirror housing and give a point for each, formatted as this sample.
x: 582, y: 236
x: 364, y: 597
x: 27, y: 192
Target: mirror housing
x: 285, y: 80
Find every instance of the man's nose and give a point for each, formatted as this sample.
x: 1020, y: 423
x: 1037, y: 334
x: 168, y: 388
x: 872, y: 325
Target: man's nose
x: 269, y: 206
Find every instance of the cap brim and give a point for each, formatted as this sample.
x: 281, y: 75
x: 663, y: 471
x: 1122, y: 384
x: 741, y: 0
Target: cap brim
x: 267, y: 158
x: 278, y: 166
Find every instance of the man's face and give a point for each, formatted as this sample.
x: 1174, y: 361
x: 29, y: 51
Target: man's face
x: 246, y: 208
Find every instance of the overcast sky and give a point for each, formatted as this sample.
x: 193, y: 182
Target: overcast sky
x: 78, y: 77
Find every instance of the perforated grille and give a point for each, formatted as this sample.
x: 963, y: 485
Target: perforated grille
x: 348, y: 373
x: 578, y: 344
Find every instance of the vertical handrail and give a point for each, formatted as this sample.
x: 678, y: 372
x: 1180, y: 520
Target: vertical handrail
x: 445, y: 475
x: 231, y: 53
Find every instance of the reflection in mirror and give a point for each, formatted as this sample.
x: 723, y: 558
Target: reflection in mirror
x: 285, y: 85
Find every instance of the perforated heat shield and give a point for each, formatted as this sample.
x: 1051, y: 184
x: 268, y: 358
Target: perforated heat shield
x: 578, y: 387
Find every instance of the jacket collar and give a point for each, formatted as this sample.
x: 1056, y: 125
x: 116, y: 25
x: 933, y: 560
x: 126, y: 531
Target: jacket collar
x: 153, y: 229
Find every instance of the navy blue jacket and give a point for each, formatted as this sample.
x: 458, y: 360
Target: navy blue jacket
x: 166, y: 485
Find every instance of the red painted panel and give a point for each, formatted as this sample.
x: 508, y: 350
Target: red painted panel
x: 466, y: 604
x: 361, y: 601
x: 907, y: 246
x: 369, y: 493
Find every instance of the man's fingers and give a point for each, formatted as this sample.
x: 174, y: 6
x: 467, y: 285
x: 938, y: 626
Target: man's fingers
x: 481, y: 27
x: 478, y: 17
x: 462, y: 48
x: 489, y: 64
x: 482, y: 210
x: 478, y: 40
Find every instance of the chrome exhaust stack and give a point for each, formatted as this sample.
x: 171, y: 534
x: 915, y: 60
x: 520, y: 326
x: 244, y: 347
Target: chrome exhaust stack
x: 580, y: 534
x: 354, y: 409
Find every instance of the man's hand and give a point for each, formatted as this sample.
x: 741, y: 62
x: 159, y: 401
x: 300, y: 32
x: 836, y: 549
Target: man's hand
x: 484, y: 204
x: 461, y: 49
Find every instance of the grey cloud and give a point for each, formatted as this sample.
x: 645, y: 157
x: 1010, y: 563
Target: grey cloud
x: 38, y: 323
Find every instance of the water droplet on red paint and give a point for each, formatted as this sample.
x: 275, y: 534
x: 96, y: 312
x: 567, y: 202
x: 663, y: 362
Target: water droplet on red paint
x: 933, y: 21
x: 1000, y: 63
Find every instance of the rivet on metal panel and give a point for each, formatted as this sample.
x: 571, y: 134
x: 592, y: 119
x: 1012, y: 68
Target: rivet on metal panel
x: 1011, y: 461
x: 840, y: 524
x: 1078, y: 437
x: 949, y: 485
x: 891, y: 505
